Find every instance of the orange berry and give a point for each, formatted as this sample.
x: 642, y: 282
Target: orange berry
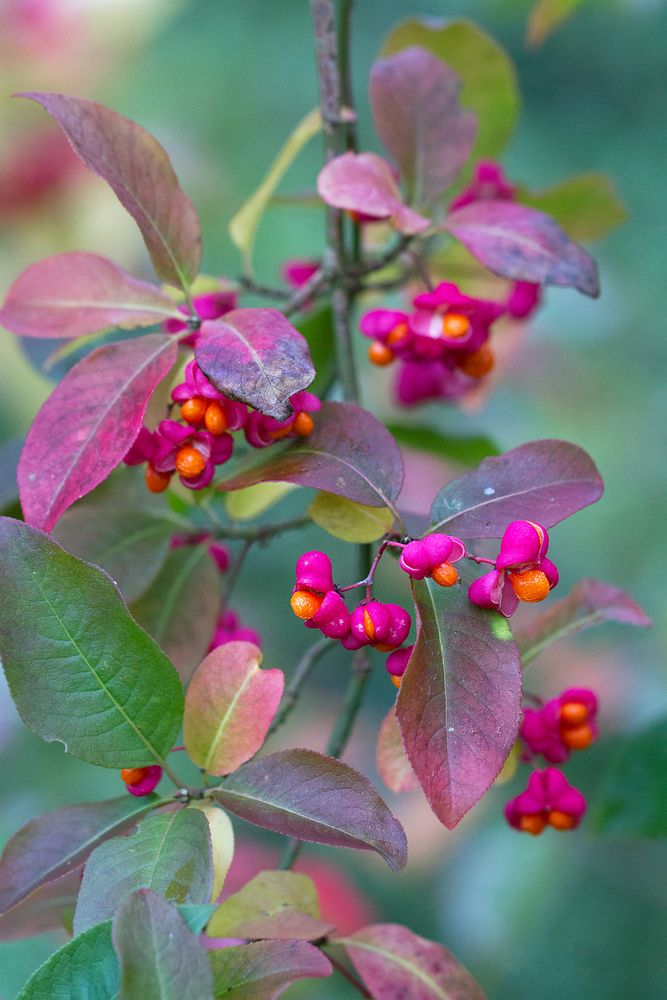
x: 369, y: 627
x: 533, y: 823
x: 156, y: 481
x: 577, y: 738
x: 216, y: 418
x: 133, y: 775
x: 395, y: 680
x: 193, y: 410
x: 445, y: 575
x: 455, y: 325
x: 303, y: 424
x: 560, y: 820
x: 385, y: 647
x: 398, y: 334
x: 305, y: 604
x: 282, y: 432
x: 531, y: 586
x: 190, y: 463
x: 479, y: 363
x: 573, y: 713
x: 380, y: 355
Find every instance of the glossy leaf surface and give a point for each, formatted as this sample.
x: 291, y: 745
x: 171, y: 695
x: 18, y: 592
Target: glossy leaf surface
x: 349, y: 453
x: 489, y: 84
x: 159, y: 957
x: 544, y: 481
x: 85, y: 968
x: 273, y: 905
x: 415, y: 102
x: 229, y: 707
x: 520, y: 243
x: 138, y: 171
x: 460, y: 701
x: 79, y: 668
x: 395, y: 963
x: 393, y: 766
x: 170, y: 854
x: 264, y: 969
x: 353, y: 522
x: 87, y: 425
x: 589, y: 603
x: 304, y: 794
x: 74, y: 294
x: 256, y: 356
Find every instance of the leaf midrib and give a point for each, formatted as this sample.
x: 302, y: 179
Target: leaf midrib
x: 397, y: 960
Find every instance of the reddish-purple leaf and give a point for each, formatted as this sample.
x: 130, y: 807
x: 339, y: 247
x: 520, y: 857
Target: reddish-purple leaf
x: 415, y: 101
x: 460, y: 700
x: 264, y: 969
x: 523, y: 244
x: 73, y: 294
x: 349, y: 453
x: 43, y: 910
x: 364, y: 183
x: 229, y: 707
x: 87, y: 425
x: 589, y: 603
x: 304, y: 794
x: 395, y: 964
x: 257, y: 356
x: 544, y: 481
x: 273, y: 905
x: 59, y: 841
x: 138, y: 170
x: 393, y: 766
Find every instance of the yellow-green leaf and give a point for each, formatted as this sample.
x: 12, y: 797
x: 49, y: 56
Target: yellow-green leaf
x: 546, y: 16
x: 587, y: 207
x: 246, y: 504
x: 353, y: 522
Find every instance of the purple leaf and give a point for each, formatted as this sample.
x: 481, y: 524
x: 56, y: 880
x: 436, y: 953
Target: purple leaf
x: 460, y: 701
x: 395, y: 964
x: 589, y: 603
x: 393, y: 766
x: 415, y: 101
x: 349, y: 453
x: 364, y: 183
x: 544, y: 481
x: 264, y: 969
x: 53, y: 844
x: 87, y: 425
x: 43, y: 910
x: 138, y: 170
x: 275, y: 905
x: 74, y: 294
x: 159, y: 957
x: 228, y: 709
x: 257, y: 356
x: 523, y: 244
x: 301, y: 793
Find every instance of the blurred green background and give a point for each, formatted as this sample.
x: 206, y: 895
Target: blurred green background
x: 222, y: 84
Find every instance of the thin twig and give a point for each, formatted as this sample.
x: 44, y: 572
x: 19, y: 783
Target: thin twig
x: 298, y: 679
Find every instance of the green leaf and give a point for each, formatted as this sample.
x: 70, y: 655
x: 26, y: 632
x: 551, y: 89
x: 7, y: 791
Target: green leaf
x: 486, y: 72
x: 263, y: 969
x: 83, y: 969
x: 196, y: 915
x: 463, y: 450
x: 353, y: 522
x: 318, y: 329
x: 180, y: 607
x: 243, y: 226
x: 546, y: 16
x: 80, y: 670
x: 170, y: 854
x: 632, y: 798
x: 274, y: 905
x: 160, y: 958
x: 587, y: 207
x: 247, y: 504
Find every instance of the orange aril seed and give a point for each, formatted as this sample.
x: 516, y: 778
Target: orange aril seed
x: 560, y: 820
x: 385, y: 647
x: 531, y: 585
x: 133, y: 775
x: 533, y: 823
x: 156, y: 481
x: 445, y: 575
x: 396, y: 680
x: 573, y: 713
x: 479, y: 363
x: 282, y: 432
x: 369, y: 627
x: 303, y: 424
x: 455, y: 325
x: 305, y: 604
x: 190, y: 463
x: 577, y: 737
x: 193, y: 410
x: 398, y: 334
x: 379, y: 354
x: 215, y: 420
